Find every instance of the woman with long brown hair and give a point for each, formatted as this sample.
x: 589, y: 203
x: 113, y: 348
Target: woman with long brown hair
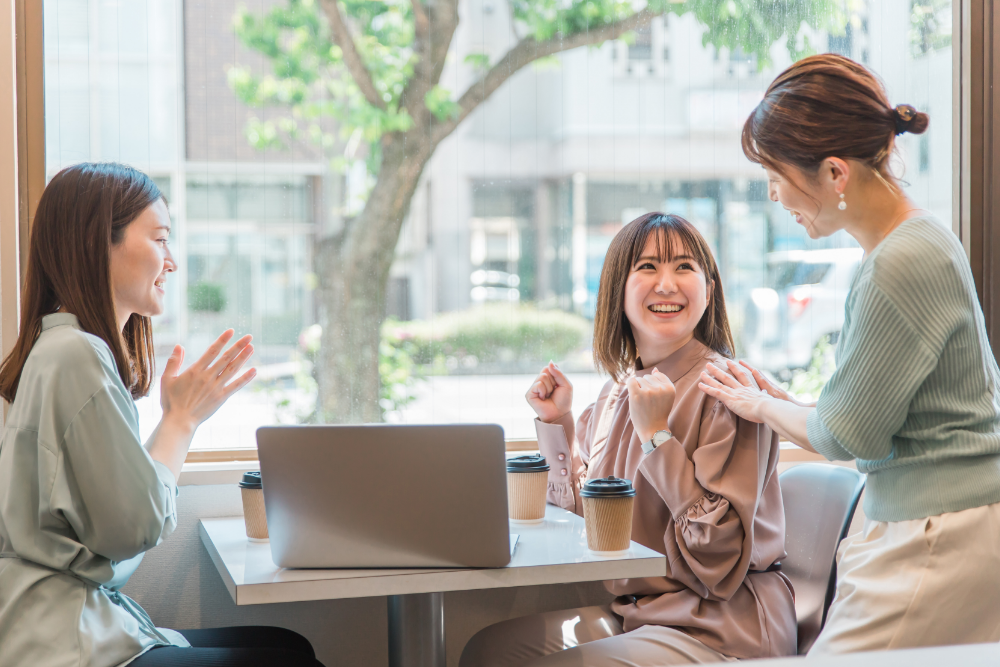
x: 706, y: 486
x: 914, y: 398
x: 81, y: 498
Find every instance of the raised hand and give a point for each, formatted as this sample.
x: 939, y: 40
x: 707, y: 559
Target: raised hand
x: 650, y: 400
x: 550, y: 394
x: 191, y: 397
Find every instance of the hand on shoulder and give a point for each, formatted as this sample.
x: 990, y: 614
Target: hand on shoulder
x: 739, y: 391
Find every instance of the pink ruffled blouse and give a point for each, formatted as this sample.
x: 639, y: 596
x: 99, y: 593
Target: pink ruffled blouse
x: 708, y: 499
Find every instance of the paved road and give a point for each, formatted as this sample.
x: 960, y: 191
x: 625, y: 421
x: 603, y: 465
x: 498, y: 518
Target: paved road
x: 495, y: 399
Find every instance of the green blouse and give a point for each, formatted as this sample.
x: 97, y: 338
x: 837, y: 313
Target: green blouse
x: 80, y: 502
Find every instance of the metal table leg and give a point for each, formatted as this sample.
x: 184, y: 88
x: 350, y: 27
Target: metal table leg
x: 416, y: 630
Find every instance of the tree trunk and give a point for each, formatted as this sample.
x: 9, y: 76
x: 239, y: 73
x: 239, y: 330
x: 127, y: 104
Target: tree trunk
x: 353, y: 270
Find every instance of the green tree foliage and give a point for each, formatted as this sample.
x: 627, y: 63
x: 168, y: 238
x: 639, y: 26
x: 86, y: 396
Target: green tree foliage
x: 310, y: 79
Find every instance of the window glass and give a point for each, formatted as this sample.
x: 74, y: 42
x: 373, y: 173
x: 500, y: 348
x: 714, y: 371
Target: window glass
x: 419, y: 261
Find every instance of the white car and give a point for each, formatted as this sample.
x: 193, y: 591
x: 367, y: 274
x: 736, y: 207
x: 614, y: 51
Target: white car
x: 803, y: 302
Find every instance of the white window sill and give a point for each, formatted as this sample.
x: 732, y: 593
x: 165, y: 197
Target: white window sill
x: 231, y: 472
x: 216, y: 472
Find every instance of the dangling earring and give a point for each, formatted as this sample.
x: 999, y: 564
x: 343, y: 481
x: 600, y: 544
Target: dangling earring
x: 843, y: 204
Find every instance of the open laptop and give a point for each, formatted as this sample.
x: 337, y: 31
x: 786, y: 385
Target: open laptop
x: 394, y: 496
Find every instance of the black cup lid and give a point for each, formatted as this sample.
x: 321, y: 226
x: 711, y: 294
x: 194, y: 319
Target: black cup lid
x: 607, y: 487
x: 251, y: 480
x: 527, y: 463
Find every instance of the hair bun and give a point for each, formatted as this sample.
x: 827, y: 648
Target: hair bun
x: 908, y: 119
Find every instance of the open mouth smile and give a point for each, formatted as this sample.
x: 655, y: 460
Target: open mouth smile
x: 666, y: 308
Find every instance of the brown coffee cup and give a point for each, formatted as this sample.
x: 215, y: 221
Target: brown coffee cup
x: 527, y: 483
x: 254, y: 514
x: 607, y: 513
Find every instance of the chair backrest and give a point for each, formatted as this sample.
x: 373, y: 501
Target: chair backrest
x: 819, y: 501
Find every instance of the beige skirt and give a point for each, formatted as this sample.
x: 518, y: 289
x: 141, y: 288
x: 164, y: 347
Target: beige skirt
x: 927, y: 582
x: 586, y: 636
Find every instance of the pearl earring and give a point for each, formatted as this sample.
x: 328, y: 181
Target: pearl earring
x: 843, y: 204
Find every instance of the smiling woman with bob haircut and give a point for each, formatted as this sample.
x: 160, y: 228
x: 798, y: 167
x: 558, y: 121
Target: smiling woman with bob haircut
x: 81, y: 498
x: 707, y: 492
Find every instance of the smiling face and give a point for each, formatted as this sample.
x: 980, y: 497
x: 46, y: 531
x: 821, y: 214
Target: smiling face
x: 140, y: 263
x: 812, y: 201
x: 665, y: 300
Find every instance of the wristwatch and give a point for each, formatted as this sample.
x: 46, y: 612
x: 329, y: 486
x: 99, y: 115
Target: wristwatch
x: 658, y: 439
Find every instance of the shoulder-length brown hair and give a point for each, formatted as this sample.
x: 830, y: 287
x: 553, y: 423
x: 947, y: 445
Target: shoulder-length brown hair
x: 614, y: 343
x: 82, y: 213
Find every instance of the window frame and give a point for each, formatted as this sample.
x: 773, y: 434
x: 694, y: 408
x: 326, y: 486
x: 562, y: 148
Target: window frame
x: 976, y: 149
x: 976, y: 85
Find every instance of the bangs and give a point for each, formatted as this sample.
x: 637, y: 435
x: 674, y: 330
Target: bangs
x: 615, y: 350
x: 672, y: 237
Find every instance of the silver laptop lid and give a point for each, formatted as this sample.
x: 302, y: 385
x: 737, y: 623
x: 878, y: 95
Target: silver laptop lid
x: 385, y: 495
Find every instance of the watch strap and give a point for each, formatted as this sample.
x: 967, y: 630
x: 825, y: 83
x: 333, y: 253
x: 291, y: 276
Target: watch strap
x: 649, y: 446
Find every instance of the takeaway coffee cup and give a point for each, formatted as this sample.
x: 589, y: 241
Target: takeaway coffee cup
x: 527, y: 481
x: 253, y: 507
x: 607, y: 512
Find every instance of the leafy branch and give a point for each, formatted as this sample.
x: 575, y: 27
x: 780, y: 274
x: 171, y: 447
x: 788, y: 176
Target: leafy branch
x: 374, y: 66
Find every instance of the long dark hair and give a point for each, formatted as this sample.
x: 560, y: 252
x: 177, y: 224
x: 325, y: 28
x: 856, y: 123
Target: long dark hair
x: 614, y: 343
x: 827, y: 106
x: 82, y: 213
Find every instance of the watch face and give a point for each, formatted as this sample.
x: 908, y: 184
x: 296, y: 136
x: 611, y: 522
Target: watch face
x: 660, y: 437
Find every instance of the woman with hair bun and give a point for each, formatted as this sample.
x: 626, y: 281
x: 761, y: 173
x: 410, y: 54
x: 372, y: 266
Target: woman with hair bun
x: 914, y: 398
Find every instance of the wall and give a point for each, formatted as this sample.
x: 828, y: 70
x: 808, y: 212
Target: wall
x: 179, y: 587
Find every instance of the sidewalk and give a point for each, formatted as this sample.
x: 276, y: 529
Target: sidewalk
x: 494, y: 399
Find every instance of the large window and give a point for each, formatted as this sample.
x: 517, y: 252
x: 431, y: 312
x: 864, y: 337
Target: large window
x: 285, y: 178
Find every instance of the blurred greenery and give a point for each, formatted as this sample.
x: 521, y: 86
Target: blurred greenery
x: 398, y: 373
x: 409, y: 351
x: 206, y: 297
x: 489, y: 334
x: 806, y: 384
x: 930, y: 26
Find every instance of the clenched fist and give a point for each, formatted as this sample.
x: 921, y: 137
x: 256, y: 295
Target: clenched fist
x: 551, y: 394
x: 650, y: 400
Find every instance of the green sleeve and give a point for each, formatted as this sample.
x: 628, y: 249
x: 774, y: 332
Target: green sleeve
x: 882, y: 362
x: 116, y: 498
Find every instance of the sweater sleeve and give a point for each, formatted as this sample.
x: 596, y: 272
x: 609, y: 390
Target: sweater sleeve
x: 881, y: 364
x: 566, y: 474
x: 713, y: 497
